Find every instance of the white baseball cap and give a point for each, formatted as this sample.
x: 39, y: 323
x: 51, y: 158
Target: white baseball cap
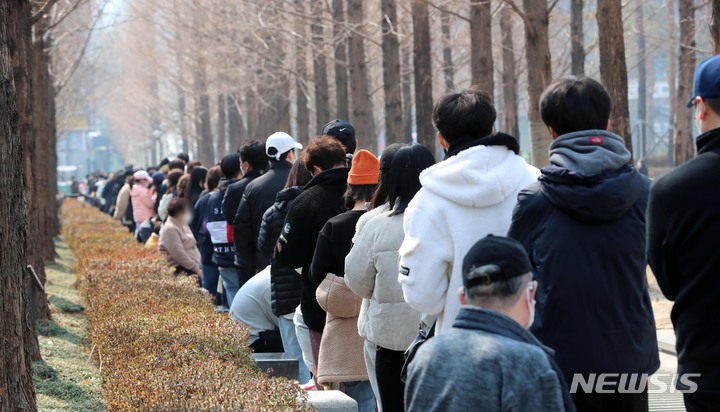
x: 281, y: 142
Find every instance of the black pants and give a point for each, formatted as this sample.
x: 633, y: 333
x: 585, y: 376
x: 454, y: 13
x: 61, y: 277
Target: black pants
x: 699, y: 404
x: 388, y: 364
x: 611, y: 402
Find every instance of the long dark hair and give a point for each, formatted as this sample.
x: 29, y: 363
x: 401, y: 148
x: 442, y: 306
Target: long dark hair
x: 299, y: 176
x: 195, y: 186
x: 381, y: 193
x: 407, y: 164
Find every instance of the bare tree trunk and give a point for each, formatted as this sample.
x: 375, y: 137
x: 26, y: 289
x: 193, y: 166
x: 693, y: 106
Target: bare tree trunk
x: 642, y: 82
x: 17, y: 392
x: 408, y: 106
x: 683, y: 141
x: 577, y: 37
x: 715, y: 27
x: 236, y: 132
x: 322, y: 103
x: 221, y: 127
x: 253, y: 116
x: 182, y: 114
x: 301, y: 92
x: 481, y: 58
x: 342, y: 108
x: 203, y: 128
x: 423, y: 74
x: 448, y: 67
x: 672, y: 70
x: 391, y: 73
x: 537, y: 54
x: 509, y: 76
x: 613, y: 70
x: 362, y: 108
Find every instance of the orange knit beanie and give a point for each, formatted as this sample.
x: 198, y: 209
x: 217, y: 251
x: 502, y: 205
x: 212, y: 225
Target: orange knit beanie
x: 365, y: 169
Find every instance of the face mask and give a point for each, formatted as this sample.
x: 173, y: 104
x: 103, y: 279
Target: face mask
x: 531, y: 305
x: 188, y: 218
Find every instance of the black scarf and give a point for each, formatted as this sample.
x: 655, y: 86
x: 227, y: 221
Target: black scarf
x: 496, y: 139
x: 499, y: 324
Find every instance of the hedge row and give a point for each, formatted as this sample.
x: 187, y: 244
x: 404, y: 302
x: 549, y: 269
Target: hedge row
x: 158, y: 341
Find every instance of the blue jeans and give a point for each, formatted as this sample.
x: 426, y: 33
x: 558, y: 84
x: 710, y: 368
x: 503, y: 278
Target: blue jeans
x: 231, y: 283
x: 363, y: 394
x: 210, y: 278
x: 292, y: 347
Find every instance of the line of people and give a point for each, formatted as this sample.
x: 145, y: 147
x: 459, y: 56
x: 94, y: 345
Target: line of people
x: 335, y: 256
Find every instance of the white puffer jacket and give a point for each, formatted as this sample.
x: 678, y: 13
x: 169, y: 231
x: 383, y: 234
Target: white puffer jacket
x: 463, y: 199
x: 371, y: 269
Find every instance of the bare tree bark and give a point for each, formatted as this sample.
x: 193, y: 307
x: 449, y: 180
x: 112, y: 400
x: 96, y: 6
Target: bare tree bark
x: 342, y: 108
x: 537, y: 54
x: 391, y: 73
x: 301, y: 99
x: 577, y: 37
x: 682, y: 138
x: 236, y: 129
x: 509, y: 76
x: 671, y: 70
x: 425, y: 131
x: 715, y: 27
x: 17, y: 392
x: 203, y: 129
x: 481, y: 57
x: 613, y: 69
x: 362, y: 109
x: 322, y: 100
x: 642, y: 109
x: 221, y: 127
x: 448, y: 67
x: 408, y: 107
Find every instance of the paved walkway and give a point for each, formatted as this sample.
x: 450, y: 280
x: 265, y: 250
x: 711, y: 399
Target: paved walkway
x: 667, y: 401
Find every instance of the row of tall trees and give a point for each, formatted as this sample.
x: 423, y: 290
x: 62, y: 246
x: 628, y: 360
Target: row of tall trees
x: 215, y: 72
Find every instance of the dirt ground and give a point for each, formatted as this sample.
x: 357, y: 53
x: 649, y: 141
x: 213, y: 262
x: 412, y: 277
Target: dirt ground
x: 661, y: 306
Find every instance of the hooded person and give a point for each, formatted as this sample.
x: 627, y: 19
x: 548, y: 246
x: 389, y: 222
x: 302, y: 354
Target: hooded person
x: 474, y: 190
x: 583, y: 226
x: 142, y: 197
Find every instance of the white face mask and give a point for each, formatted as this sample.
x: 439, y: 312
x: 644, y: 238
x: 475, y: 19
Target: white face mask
x: 531, y: 305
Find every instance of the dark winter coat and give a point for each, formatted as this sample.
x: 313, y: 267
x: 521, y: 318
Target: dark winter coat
x: 219, y: 229
x: 285, y: 282
x: 583, y: 225
x: 259, y: 195
x: 234, y: 194
x: 199, y: 229
x: 683, y: 235
x: 333, y: 246
x: 321, y: 200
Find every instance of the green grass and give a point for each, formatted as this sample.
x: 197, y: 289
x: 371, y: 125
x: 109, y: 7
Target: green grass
x: 65, y: 380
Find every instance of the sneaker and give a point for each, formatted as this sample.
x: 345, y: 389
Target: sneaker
x: 310, y: 386
x: 221, y: 309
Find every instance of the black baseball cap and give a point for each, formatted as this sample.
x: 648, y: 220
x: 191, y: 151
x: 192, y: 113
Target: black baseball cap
x: 707, y: 80
x: 337, y: 128
x: 492, y: 259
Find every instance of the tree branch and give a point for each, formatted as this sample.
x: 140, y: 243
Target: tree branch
x: 43, y: 10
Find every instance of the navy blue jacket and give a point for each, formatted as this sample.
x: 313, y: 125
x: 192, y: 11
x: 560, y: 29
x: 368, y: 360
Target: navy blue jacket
x: 586, y: 238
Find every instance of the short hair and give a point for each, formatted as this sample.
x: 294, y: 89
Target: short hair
x: 193, y: 164
x: 405, y: 171
x: 230, y: 165
x: 324, y: 152
x: 353, y: 193
x: 253, y: 152
x: 184, y: 156
x: 177, y: 205
x: 469, y: 113
x: 164, y: 161
x: 173, y: 178
x: 178, y: 164
x: 498, y: 295
x: 573, y: 104
x: 299, y: 176
x: 214, y: 175
x: 713, y: 103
